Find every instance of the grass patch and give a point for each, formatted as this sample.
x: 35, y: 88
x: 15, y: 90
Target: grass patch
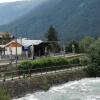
x: 4, y: 94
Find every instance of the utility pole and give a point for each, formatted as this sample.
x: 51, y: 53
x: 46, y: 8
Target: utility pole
x: 16, y: 50
x: 32, y: 51
x: 10, y: 55
x: 21, y: 40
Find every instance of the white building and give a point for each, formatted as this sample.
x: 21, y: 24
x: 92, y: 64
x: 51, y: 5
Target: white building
x: 21, y: 46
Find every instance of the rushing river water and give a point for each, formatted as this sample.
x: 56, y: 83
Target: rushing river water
x: 85, y: 89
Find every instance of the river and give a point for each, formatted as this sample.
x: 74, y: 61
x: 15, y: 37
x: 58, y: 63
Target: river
x: 85, y: 89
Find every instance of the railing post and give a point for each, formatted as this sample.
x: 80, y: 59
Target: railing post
x: 23, y: 74
x: 84, y: 66
x: 29, y: 73
x: 71, y: 67
x: 41, y: 71
x: 46, y: 70
x: 81, y: 67
x: 19, y: 74
x: 4, y: 78
x: 12, y: 75
x: 55, y: 69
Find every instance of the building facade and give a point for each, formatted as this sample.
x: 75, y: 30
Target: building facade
x: 25, y: 48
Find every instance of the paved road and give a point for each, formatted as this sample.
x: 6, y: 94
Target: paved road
x: 50, y: 72
x: 66, y: 55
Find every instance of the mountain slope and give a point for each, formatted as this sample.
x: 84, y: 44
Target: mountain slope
x: 13, y: 10
x: 72, y: 18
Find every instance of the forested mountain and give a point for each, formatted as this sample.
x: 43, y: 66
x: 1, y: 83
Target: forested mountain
x: 73, y: 19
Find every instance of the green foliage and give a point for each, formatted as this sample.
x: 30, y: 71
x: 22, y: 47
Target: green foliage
x: 94, y: 52
x: 74, y: 61
x: 85, y: 43
x: 52, y: 34
x: 45, y: 84
x: 48, y: 61
x: 52, y: 37
x: 4, y: 94
x: 25, y: 65
x: 6, y: 37
x: 93, y: 70
x: 84, y: 60
x: 69, y: 48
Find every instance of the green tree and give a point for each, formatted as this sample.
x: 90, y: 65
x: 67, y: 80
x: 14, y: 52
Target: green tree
x: 53, y: 39
x: 85, y: 43
x: 94, y: 54
x: 6, y: 37
x: 69, y: 47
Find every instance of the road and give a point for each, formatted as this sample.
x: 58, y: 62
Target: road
x: 66, y: 55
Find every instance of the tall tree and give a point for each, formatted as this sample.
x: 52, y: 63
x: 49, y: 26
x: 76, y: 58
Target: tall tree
x: 52, y: 34
x: 6, y: 37
x: 94, y: 51
x: 94, y: 54
x: 53, y: 39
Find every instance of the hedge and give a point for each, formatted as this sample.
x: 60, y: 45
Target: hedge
x: 48, y: 62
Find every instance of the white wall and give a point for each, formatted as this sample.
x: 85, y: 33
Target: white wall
x: 8, y: 51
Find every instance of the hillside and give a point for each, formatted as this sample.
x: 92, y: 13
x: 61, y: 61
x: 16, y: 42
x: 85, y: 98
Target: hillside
x: 11, y: 11
x: 72, y: 18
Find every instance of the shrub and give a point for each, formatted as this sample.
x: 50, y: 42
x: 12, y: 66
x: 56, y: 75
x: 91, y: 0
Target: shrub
x: 25, y: 65
x: 48, y: 62
x: 44, y: 85
x: 74, y: 61
x: 93, y: 70
x: 84, y: 60
x: 94, y: 54
x: 4, y: 94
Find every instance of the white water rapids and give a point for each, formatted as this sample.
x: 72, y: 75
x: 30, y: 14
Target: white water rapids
x: 85, y: 89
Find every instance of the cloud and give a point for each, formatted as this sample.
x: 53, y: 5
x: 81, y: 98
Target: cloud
x: 7, y: 1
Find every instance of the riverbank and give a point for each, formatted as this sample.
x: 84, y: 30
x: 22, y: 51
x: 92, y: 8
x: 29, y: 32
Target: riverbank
x: 84, y: 89
x: 20, y: 87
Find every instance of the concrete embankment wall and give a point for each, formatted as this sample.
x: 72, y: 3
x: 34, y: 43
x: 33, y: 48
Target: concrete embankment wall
x: 20, y: 87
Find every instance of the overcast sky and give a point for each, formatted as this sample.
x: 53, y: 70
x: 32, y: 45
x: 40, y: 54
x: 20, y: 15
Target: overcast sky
x: 4, y: 1
x: 8, y: 1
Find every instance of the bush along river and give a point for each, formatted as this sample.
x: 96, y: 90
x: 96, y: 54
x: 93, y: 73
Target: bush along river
x: 85, y: 89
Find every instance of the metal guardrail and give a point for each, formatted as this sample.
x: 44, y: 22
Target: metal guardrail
x: 18, y: 74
